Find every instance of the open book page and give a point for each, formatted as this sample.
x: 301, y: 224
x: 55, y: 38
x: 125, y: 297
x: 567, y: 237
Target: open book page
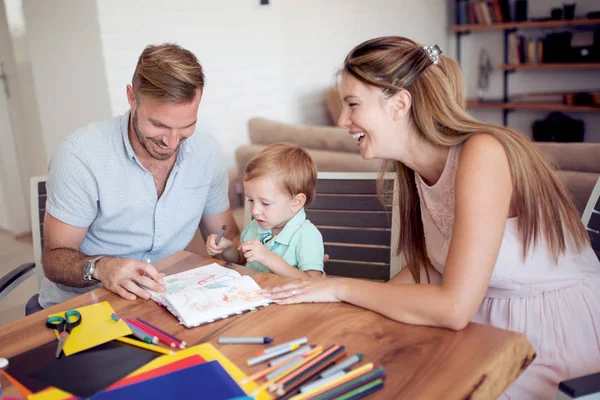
x: 207, y: 303
x: 204, y: 294
x: 210, y: 274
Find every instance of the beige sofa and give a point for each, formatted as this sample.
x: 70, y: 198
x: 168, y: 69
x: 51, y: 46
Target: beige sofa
x: 335, y: 151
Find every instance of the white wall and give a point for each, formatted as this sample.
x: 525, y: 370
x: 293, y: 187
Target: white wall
x: 528, y: 81
x: 68, y: 68
x: 12, y: 199
x: 273, y: 61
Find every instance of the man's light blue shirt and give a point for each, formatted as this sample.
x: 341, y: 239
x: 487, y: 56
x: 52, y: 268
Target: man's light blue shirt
x: 299, y: 243
x: 97, y: 182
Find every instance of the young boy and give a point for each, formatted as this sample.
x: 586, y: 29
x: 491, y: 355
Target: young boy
x: 279, y: 182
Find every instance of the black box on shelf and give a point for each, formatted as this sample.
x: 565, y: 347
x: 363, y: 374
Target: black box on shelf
x: 557, y: 47
x: 558, y: 127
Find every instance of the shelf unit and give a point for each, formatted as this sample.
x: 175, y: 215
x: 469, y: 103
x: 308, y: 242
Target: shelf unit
x: 510, y: 27
x: 528, y: 105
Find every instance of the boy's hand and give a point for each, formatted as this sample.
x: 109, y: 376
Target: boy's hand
x: 255, y: 251
x: 213, y: 249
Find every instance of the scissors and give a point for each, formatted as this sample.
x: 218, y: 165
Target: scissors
x: 64, y: 326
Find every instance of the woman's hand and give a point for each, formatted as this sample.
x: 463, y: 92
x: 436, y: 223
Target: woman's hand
x: 311, y: 290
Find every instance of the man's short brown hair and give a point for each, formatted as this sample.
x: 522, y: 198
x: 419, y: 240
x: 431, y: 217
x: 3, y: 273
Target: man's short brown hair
x: 295, y: 171
x: 167, y: 73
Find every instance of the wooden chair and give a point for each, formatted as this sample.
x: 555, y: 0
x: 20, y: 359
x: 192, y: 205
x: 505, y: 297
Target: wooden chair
x: 591, y: 218
x: 587, y: 386
x: 356, y: 227
x: 25, y: 271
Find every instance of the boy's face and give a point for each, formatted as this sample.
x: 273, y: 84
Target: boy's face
x: 270, y: 206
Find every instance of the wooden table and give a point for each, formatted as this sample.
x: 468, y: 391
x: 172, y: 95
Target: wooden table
x: 479, y: 362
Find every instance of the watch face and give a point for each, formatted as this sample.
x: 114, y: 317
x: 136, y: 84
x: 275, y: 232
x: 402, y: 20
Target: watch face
x: 87, y: 271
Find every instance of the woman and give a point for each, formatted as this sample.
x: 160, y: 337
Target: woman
x: 484, y: 219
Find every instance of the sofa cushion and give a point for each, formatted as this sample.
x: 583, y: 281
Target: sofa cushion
x: 327, y: 161
x: 264, y: 131
x: 582, y: 157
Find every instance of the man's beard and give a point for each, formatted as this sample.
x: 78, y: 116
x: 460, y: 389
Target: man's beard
x: 144, y: 141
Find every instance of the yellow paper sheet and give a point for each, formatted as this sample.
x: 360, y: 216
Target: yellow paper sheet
x: 97, y: 327
x: 207, y: 351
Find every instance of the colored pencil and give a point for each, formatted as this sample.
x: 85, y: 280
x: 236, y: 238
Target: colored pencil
x: 309, y: 372
x: 220, y: 235
x: 362, y: 391
x: 258, y: 359
x: 336, y: 391
x: 146, y: 346
x: 300, y: 341
x: 313, y: 353
x: 143, y: 336
x: 181, y: 343
x: 266, y: 371
x: 294, y: 354
x: 347, y: 377
x: 142, y: 328
x: 296, y: 362
x: 154, y: 333
x: 305, y: 367
x: 342, y: 365
x: 321, y: 381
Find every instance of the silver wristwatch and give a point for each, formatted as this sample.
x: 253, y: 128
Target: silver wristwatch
x: 89, y: 268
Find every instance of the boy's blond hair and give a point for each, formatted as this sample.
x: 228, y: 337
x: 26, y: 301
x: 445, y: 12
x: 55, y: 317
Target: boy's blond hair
x: 295, y: 171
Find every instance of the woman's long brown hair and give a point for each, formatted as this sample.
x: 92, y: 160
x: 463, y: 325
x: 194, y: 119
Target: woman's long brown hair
x: 544, y: 208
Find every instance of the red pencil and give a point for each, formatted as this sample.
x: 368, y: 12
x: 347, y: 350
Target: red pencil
x: 163, y: 338
x: 142, y: 328
x: 178, y: 342
x: 182, y: 343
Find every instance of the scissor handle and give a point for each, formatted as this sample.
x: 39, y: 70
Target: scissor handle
x: 56, y: 322
x: 73, y: 318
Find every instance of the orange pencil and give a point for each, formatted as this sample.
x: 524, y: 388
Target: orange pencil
x: 313, y: 353
x: 302, y: 368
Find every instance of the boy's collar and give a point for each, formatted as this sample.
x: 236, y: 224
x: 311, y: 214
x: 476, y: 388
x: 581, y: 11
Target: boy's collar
x: 289, y: 229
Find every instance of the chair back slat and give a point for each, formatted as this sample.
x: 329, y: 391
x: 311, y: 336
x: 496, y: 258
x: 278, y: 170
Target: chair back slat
x: 373, y: 271
x: 347, y: 186
x: 38, y: 198
x: 41, y: 187
x: 595, y: 239
x: 356, y: 253
x: 42, y: 210
x: 357, y: 219
x: 594, y: 221
x: 347, y: 202
x: 351, y: 235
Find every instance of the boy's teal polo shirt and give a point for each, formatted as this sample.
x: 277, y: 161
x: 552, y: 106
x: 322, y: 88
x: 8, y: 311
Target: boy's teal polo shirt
x: 299, y: 243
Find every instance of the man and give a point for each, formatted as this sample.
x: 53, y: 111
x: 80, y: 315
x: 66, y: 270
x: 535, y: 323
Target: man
x: 132, y: 190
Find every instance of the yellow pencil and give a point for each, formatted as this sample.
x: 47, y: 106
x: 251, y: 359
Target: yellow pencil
x: 345, y: 378
x: 145, y: 346
x: 313, y: 353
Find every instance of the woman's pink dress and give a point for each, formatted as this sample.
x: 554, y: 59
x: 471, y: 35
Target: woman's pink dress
x: 556, y: 306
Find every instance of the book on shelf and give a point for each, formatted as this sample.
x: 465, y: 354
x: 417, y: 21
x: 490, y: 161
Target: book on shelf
x: 488, y: 12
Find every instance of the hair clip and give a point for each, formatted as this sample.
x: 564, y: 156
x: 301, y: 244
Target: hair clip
x: 433, y: 52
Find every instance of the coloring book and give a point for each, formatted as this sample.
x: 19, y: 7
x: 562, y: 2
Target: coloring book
x: 209, y: 293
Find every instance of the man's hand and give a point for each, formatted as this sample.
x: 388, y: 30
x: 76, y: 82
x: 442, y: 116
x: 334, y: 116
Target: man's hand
x: 212, y: 248
x: 255, y: 251
x: 128, y: 278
